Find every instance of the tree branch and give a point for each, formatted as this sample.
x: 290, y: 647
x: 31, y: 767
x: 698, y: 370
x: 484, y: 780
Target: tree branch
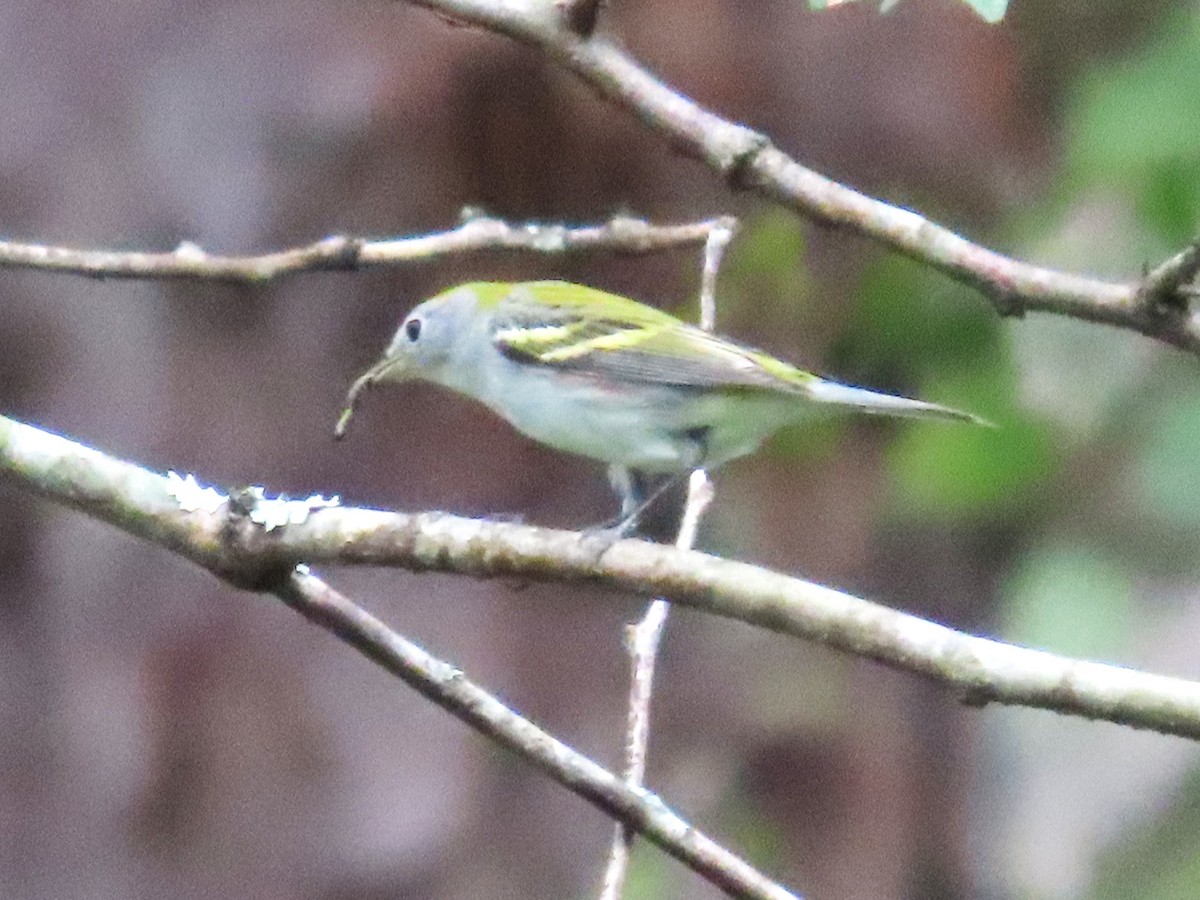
x: 747, y: 159
x: 1166, y: 286
x: 450, y: 689
x: 622, y: 234
x: 211, y: 530
x: 228, y: 543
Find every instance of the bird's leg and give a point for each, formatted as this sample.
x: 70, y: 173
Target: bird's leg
x: 630, y: 486
x: 636, y: 496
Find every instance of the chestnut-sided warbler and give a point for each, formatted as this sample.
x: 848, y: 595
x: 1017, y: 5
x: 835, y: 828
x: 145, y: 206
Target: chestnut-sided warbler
x: 606, y: 377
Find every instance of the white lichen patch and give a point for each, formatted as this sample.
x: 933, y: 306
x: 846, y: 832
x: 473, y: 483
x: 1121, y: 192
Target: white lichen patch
x: 269, y: 512
x: 191, y: 496
x: 272, y: 513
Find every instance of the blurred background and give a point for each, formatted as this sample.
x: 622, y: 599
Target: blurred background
x: 162, y: 735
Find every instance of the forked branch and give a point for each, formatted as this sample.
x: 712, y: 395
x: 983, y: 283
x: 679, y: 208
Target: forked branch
x: 245, y: 553
x: 477, y: 234
x: 747, y: 159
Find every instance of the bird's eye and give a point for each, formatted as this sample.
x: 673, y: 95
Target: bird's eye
x: 412, y: 328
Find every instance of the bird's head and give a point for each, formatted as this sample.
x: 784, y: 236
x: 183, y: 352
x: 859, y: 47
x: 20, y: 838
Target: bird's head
x: 432, y: 343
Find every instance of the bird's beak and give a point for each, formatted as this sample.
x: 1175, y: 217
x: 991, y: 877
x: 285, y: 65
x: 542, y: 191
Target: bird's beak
x: 390, y: 367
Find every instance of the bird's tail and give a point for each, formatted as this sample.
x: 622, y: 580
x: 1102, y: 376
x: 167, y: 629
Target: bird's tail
x: 886, y: 404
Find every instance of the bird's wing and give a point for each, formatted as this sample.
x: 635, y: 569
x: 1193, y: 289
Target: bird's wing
x: 631, y: 342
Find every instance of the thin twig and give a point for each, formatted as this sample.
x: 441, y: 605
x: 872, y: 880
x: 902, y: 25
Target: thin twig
x: 642, y: 640
x: 1162, y: 288
x: 143, y: 503
x: 747, y: 159
x: 477, y: 234
x: 450, y: 689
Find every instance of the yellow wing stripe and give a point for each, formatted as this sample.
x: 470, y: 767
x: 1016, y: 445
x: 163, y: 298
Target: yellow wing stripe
x: 527, y: 337
x: 616, y: 340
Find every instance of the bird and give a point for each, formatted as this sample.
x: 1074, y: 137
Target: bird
x: 606, y: 377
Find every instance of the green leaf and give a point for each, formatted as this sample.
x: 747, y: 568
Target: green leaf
x: 914, y: 334
x: 1070, y: 599
x: 1166, y: 476
x: 766, y: 272
x: 1134, y: 129
x: 946, y: 472
x: 1170, y: 199
x: 908, y: 319
x: 650, y: 874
